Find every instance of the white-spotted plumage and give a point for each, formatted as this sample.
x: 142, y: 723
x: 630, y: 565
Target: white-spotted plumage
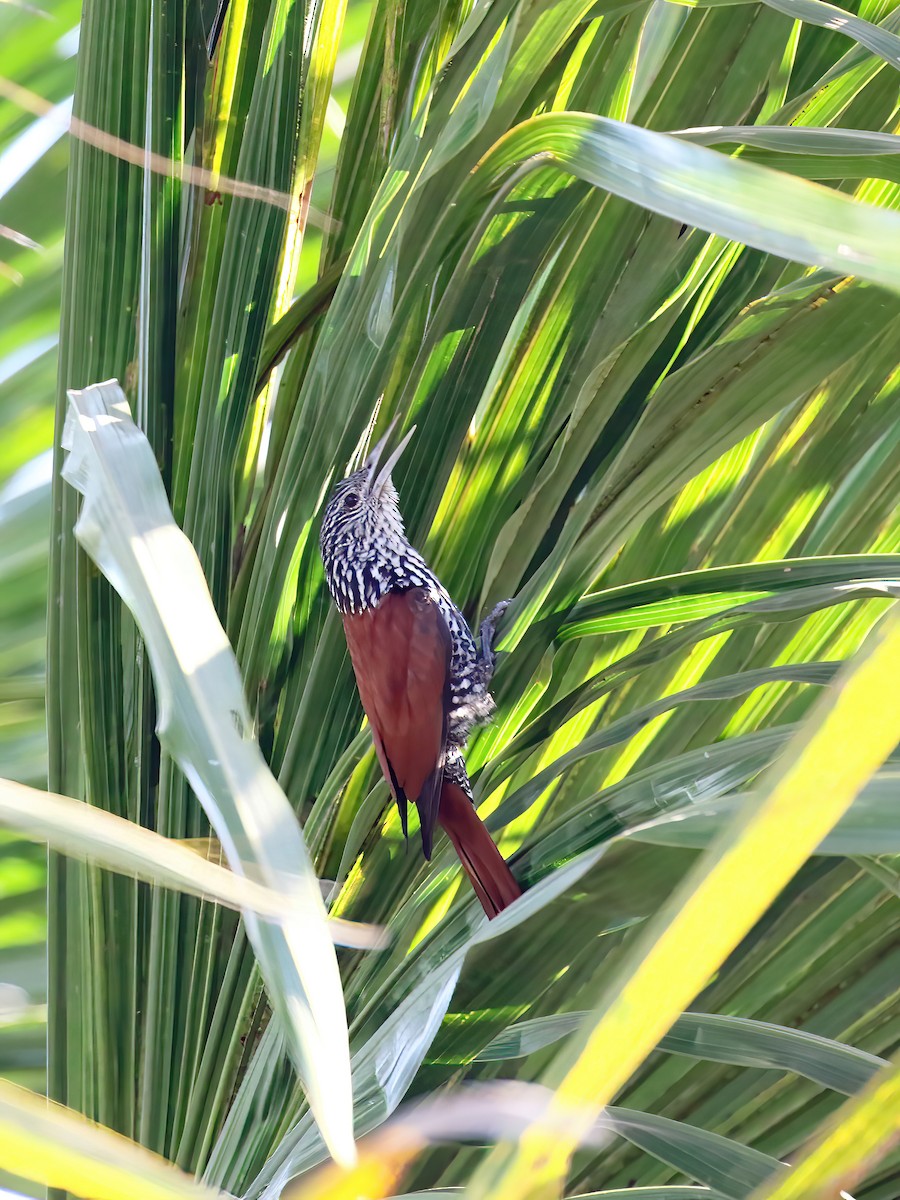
x: 366, y: 556
x: 422, y: 679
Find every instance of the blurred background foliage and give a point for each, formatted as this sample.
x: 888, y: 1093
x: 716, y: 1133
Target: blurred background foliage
x: 676, y: 448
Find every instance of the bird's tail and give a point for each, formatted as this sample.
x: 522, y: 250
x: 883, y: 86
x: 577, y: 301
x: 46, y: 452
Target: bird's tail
x: 482, y: 861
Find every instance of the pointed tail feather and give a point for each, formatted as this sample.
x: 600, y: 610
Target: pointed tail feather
x: 482, y: 861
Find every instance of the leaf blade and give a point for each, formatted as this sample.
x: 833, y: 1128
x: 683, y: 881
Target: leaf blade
x: 127, y: 527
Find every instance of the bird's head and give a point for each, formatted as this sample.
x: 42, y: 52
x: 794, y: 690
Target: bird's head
x: 363, y: 508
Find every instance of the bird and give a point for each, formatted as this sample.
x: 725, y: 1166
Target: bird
x: 422, y: 679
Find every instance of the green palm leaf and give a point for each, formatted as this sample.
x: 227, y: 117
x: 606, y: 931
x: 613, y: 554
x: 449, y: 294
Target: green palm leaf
x: 674, y: 447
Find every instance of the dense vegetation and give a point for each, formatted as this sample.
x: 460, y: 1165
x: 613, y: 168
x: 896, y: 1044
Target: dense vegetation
x: 633, y: 269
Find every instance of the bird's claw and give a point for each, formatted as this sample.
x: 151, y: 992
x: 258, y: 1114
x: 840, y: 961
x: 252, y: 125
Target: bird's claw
x: 488, y: 628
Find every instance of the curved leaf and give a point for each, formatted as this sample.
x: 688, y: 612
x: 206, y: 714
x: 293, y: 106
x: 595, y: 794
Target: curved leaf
x: 849, y: 734
x: 75, y: 828
x: 752, y: 204
x: 861, y: 1132
x: 721, y: 1163
x: 717, y: 1038
x: 52, y: 1145
x: 870, y: 826
x: 127, y: 527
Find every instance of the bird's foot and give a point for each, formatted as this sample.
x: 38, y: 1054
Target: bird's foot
x: 488, y: 628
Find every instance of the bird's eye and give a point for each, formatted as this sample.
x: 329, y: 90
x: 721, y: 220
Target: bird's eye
x: 351, y: 500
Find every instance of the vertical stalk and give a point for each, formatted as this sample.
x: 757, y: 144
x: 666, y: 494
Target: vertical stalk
x: 118, y: 311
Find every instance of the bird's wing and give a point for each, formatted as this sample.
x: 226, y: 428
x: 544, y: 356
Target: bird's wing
x: 401, y: 652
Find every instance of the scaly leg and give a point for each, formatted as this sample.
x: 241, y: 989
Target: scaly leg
x: 488, y: 628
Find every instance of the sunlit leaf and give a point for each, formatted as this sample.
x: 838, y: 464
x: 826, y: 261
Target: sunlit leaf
x: 54, y: 1146
x: 717, y: 1038
x: 848, y: 736
x: 75, y: 828
x: 129, y: 531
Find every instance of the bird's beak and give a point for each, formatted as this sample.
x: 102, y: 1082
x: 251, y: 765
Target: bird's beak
x: 377, y: 481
